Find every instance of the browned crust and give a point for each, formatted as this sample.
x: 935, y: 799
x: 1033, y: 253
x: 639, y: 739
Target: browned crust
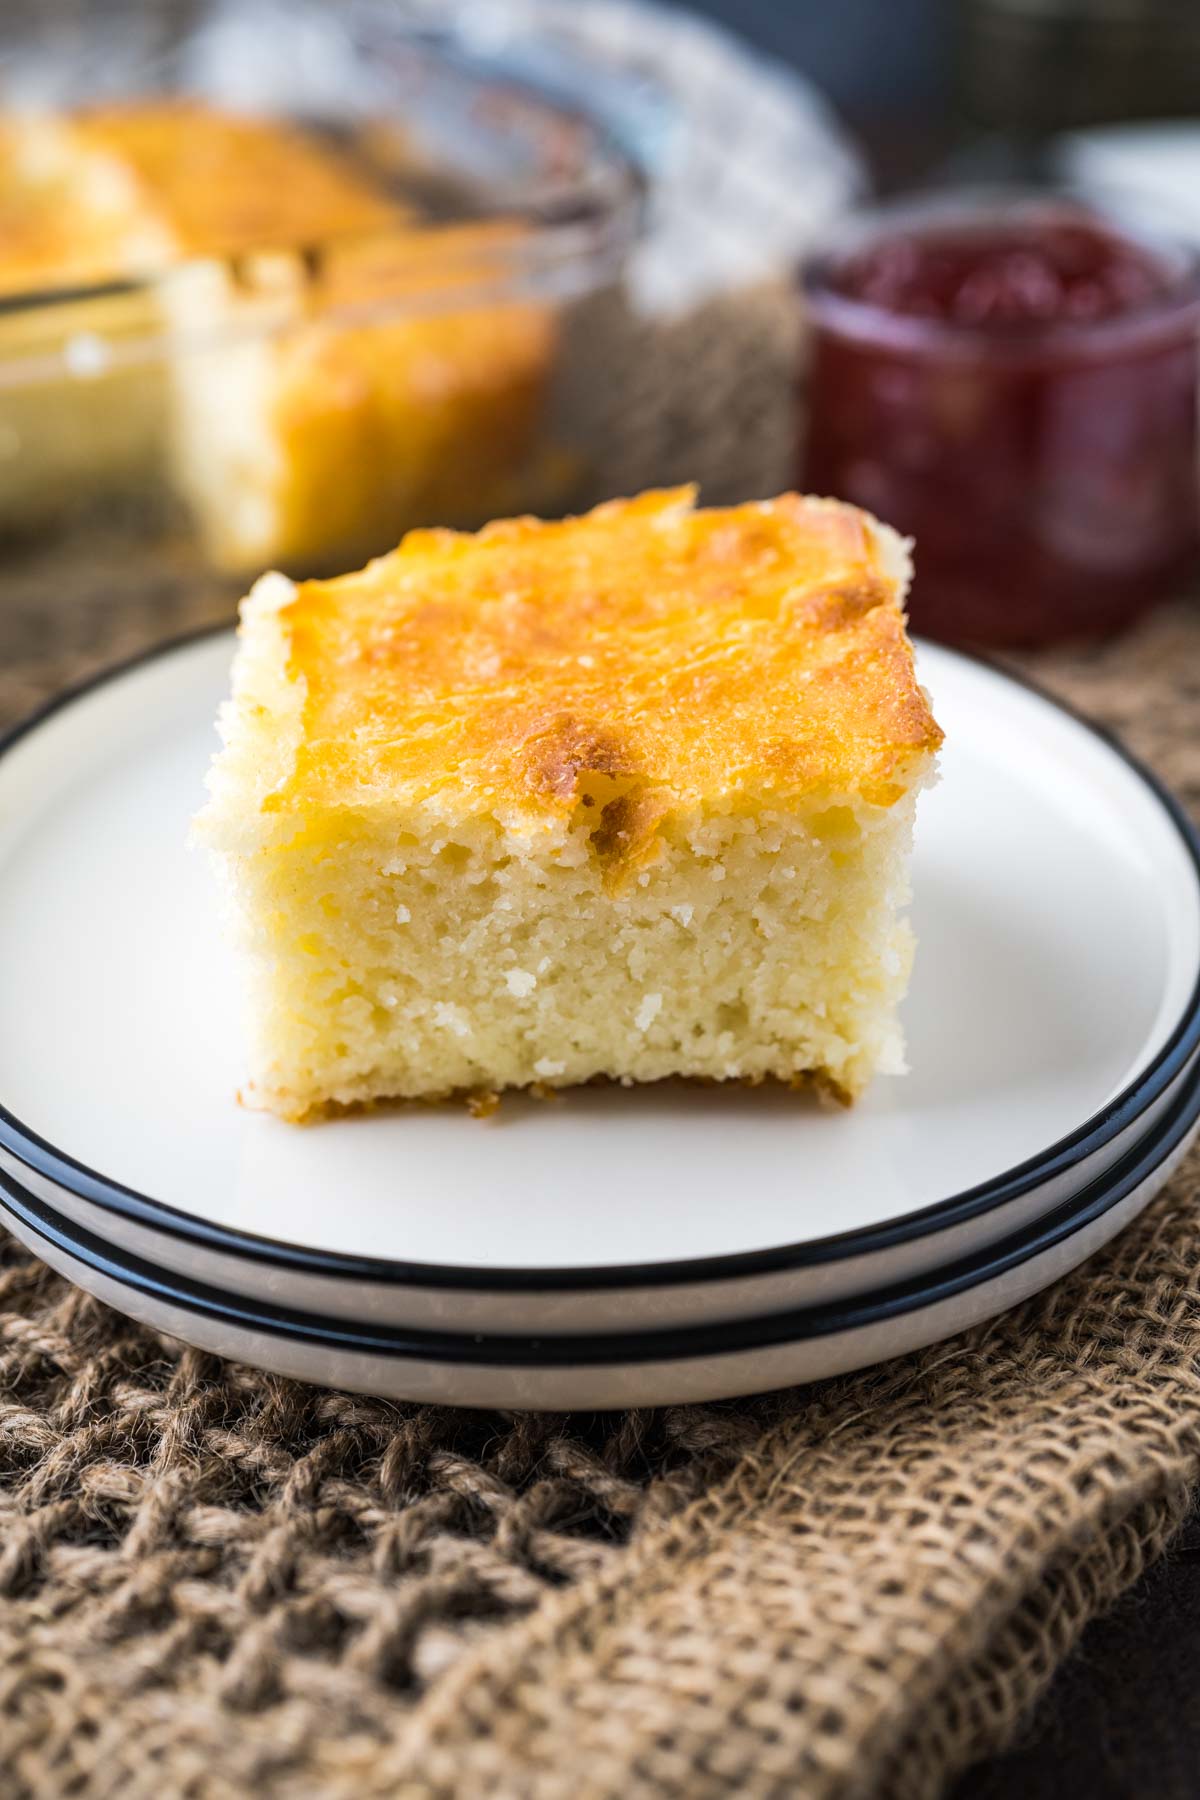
x: 755, y: 651
x: 487, y: 1102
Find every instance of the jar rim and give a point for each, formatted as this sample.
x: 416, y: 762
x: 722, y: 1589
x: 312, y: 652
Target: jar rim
x: 1124, y: 215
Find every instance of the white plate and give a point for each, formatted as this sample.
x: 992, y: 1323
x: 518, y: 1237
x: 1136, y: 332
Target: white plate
x: 1053, y: 1009
x: 706, y: 1362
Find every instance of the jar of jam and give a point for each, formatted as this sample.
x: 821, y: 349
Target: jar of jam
x: 1012, y: 381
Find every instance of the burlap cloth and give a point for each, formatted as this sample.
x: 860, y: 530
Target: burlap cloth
x: 219, y: 1583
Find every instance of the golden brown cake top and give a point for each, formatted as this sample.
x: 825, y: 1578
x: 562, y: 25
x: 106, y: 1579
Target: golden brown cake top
x: 121, y: 190
x: 47, y: 239
x: 222, y: 182
x: 645, y: 650
x: 34, y: 256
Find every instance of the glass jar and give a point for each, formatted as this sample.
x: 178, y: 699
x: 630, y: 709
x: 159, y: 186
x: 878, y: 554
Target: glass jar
x: 1011, y: 379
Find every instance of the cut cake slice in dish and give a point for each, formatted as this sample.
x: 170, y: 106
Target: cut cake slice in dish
x: 333, y: 369
x: 630, y: 795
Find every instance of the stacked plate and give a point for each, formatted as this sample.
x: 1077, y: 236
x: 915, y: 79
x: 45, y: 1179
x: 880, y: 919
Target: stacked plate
x: 613, y: 1247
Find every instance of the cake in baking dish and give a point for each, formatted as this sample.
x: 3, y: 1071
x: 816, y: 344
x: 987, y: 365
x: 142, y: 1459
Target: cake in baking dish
x: 62, y: 437
x: 630, y: 795
x: 367, y: 413
x: 332, y: 369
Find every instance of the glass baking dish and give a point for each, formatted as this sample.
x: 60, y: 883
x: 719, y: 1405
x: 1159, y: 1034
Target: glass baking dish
x: 286, y: 386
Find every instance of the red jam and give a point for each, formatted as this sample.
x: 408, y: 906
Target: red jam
x: 1015, y: 388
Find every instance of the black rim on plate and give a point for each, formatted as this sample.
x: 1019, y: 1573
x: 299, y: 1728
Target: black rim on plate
x: 605, y: 1349
x: 1059, y: 1158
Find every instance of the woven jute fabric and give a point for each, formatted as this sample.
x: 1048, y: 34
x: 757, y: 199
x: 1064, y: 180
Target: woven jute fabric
x: 217, y: 1583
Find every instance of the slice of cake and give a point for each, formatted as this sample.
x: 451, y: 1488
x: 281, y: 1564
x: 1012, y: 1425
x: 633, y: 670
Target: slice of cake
x: 629, y: 795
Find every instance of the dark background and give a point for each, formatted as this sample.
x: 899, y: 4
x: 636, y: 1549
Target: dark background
x: 949, y: 74
x: 892, y: 55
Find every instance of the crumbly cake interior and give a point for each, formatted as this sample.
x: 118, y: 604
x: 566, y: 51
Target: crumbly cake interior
x: 627, y: 796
